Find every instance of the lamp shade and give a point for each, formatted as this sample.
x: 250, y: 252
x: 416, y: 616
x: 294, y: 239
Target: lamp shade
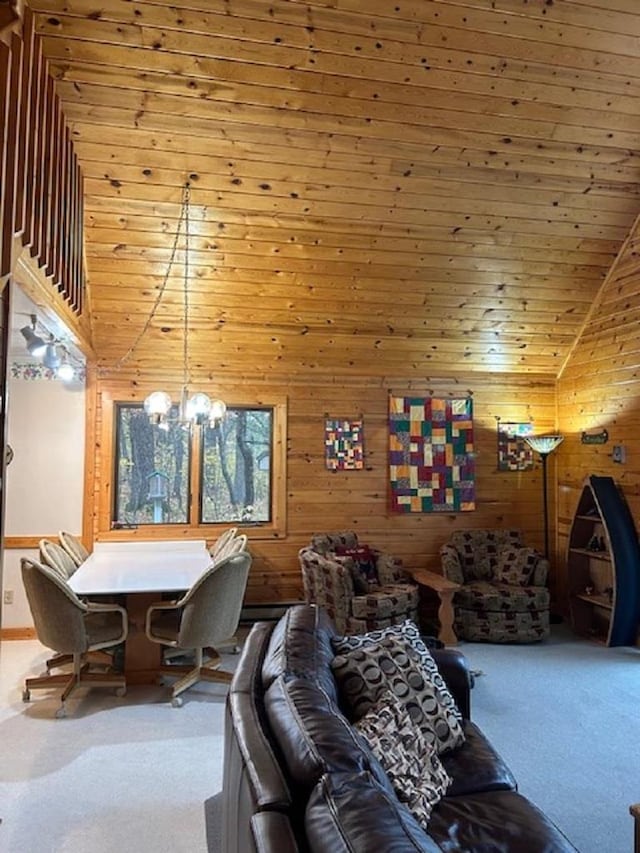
x: 35, y: 344
x: 157, y: 403
x: 543, y: 444
x: 51, y: 357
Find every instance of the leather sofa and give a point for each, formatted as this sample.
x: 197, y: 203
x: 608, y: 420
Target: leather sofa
x: 298, y: 778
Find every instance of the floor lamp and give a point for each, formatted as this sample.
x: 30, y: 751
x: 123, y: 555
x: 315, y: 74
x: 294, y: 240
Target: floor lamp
x: 544, y: 445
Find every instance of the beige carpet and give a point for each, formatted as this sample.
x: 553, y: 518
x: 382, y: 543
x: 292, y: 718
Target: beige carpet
x: 117, y: 775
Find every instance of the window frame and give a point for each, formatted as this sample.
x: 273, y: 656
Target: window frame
x: 105, y: 464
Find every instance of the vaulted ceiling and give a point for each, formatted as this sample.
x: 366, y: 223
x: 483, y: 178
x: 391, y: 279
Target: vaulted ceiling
x: 384, y: 188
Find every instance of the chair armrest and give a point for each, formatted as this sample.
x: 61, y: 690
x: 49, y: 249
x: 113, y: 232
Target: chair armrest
x: 451, y: 567
x: 540, y: 573
x: 454, y: 668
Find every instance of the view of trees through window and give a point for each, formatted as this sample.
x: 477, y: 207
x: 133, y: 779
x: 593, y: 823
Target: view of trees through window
x: 153, y: 469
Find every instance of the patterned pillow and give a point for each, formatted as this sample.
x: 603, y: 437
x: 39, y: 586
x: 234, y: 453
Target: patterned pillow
x: 409, y: 633
x: 364, y: 674
x: 363, y: 567
x: 516, y: 565
x: 412, y: 765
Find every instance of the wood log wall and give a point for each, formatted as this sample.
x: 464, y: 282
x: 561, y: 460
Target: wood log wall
x: 600, y: 389
x: 41, y: 184
x: 319, y: 500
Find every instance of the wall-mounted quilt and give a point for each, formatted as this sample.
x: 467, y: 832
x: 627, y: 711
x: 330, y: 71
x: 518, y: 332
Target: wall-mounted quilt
x: 431, y: 458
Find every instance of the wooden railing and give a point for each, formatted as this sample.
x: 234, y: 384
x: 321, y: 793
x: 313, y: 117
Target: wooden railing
x: 41, y: 185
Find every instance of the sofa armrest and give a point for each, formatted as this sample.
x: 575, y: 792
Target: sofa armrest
x: 451, y: 567
x: 454, y: 668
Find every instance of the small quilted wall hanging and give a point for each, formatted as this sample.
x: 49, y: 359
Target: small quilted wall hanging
x: 514, y: 454
x: 343, y: 444
x: 431, y: 458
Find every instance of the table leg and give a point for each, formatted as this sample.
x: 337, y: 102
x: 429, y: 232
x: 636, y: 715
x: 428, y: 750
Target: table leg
x: 142, y: 658
x: 445, y: 615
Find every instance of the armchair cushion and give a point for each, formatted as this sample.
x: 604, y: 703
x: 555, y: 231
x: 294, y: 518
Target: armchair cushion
x: 516, y: 565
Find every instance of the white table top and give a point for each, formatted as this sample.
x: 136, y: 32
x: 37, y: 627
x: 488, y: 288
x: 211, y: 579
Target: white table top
x: 124, y: 567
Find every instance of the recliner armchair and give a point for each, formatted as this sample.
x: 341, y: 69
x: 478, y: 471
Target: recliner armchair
x: 503, y: 596
x: 358, y: 600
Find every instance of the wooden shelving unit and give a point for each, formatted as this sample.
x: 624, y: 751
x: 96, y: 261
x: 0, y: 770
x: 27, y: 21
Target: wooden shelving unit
x: 603, y: 565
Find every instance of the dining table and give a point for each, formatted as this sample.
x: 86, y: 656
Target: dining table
x: 139, y: 574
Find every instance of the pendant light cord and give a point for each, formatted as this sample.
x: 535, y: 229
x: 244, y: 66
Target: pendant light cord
x: 184, y: 216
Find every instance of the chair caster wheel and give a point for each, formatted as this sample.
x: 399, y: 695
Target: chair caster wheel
x: 26, y: 695
x: 61, y: 713
x: 176, y: 702
x: 121, y: 691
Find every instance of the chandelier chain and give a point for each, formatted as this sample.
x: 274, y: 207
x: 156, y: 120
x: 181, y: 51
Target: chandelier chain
x: 185, y: 345
x: 184, y: 216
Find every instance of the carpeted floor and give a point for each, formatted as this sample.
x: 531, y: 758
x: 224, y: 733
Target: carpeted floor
x: 565, y: 715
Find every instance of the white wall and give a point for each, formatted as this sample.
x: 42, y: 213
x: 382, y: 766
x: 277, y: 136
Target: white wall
x: 44, y: 488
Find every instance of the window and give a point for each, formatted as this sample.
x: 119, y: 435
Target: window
x: 236, y: 468
x: 230, y: 473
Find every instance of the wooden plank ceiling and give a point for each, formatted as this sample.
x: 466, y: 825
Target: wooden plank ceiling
x: 390, y: 188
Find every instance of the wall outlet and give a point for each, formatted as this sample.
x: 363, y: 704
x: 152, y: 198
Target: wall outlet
x: 619, y: 453
x: 8, y: 596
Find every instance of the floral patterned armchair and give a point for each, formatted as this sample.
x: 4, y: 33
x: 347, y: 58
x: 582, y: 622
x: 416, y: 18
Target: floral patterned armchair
x: 361, y: 588
x: 503, y: 596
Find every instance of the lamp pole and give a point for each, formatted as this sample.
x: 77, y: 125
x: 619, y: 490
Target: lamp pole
x: 543, y: 459
x: 544, y: 445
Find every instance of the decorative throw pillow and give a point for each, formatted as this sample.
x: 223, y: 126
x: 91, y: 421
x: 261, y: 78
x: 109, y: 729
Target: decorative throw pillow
x: 412, y: 764
x: 407, y: 632
x: 364, y: 571
x: 516, y: 565
x: 364, y: 674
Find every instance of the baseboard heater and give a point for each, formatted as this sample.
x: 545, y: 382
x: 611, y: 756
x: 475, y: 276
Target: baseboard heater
x: 265, y: 612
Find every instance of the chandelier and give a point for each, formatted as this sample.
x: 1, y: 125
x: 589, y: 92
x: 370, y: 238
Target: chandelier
x: 198, y: 408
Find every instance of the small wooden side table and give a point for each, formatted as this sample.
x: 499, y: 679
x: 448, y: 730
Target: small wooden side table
x: 445, y: 590
x: 634, y: 810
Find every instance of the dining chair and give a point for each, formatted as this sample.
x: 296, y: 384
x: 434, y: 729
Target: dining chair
x: 54, y: 555
x: 70, y: 626
x: 208, y: 614
x: 222, y: 541
x: 73, y: 546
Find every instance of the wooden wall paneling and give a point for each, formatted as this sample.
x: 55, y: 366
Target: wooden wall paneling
x: 317, y: 499
x: 42, y: 220
x: 25, y: 129
x: 5, y: 66
x: 35, y: 142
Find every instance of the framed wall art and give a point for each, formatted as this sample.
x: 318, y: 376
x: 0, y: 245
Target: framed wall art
x: 431, y: 455
x: 344, y: 444
x: 514, y: 454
